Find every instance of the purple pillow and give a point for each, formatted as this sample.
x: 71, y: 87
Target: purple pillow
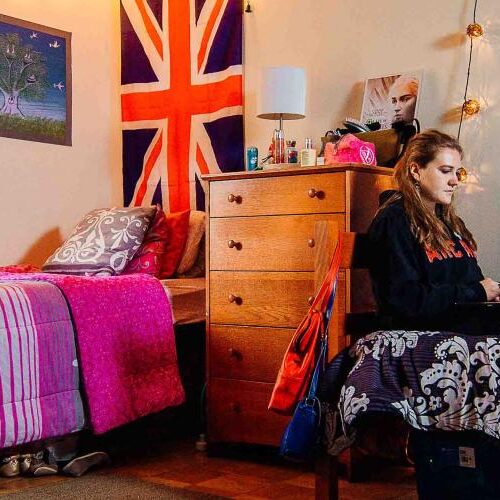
x: 103, y: 242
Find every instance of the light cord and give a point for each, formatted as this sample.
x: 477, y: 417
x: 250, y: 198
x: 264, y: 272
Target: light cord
x: 468, y: 76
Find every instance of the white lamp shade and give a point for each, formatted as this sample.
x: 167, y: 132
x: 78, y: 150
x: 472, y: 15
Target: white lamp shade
x: 283, y: 93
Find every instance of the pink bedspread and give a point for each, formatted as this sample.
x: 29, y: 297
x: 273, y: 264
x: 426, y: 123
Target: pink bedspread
x: 126, y: 344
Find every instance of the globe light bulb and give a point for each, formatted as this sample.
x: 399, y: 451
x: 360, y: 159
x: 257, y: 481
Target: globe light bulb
x: 475, y: 30
x: 462, y: 174
x: 471, y: 107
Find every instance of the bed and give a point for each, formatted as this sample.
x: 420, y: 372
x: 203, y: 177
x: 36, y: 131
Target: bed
x: 187, y: 296
x: 103, y: 344
x: 96, y: 330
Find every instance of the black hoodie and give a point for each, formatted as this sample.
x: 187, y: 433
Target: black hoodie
x: 416, y: 288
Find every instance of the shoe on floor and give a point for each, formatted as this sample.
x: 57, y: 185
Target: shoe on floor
x: 9, y: 466
x: 33, y: 464
x: 82, y: 464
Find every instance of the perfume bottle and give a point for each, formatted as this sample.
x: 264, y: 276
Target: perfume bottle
x: 308, y: 155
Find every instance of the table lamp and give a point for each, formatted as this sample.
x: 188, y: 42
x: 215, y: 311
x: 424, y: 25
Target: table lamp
x: 282, y: 97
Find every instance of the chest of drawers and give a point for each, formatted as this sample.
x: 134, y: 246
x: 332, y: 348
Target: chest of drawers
x: 260, y: 265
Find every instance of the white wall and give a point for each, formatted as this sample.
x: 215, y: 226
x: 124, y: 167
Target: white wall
x: 44, y: 188
x: 340, y: 43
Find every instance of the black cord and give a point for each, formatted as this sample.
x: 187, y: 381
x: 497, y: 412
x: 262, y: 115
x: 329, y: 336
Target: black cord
x: 468, y: 76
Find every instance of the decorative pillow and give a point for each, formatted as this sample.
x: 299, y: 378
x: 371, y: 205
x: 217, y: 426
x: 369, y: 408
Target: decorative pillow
x: 178, y: 225
x: 20, y: 268
x: 148, y: 258
x: 102, y: 242
x: 195, y: 233
x: 198, y: 269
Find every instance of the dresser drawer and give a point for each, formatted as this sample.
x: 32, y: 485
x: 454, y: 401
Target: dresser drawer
x: 238, y: 243
x: 247, y: 353
x: 260, y: 299
x: 294, y: 194
x: 237, y: 413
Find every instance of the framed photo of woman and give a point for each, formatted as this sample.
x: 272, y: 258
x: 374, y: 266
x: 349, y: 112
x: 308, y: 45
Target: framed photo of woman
x: 392, y: 99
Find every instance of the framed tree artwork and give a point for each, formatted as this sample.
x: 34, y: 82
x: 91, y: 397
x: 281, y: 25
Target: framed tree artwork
x: 35, y: 82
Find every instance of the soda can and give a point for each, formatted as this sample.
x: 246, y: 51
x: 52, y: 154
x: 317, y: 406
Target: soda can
x: 252, y: 158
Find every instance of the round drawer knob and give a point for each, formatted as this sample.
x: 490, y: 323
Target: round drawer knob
x: 311, y: 243
x: 234, y: 353
x: 235, y: 407
x: 233, y: 198
x: 310, y: 300
x: 234, y: 299
x: 234, y: 244
x: 312, y: 193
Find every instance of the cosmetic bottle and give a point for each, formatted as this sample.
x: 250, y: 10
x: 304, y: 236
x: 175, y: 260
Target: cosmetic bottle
x: 291, y: 152
x: 308, y: 155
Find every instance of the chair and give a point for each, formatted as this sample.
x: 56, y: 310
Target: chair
x: 356, y: 319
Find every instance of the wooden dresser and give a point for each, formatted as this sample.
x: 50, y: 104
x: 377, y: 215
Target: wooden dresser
x: 260, y: 265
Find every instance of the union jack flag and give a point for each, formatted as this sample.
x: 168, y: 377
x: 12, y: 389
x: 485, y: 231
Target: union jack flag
x: 181, y: 97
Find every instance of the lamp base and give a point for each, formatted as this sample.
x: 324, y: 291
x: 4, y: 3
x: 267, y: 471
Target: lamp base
x: 279, y: 146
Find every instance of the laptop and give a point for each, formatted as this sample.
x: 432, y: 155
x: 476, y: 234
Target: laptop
x: 477, y: 318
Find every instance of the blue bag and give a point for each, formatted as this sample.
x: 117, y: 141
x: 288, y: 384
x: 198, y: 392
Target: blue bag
x: 302, y: 435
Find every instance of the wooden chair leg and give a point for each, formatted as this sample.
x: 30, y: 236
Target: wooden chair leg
x: 327, y: 481
x: 355, y: 467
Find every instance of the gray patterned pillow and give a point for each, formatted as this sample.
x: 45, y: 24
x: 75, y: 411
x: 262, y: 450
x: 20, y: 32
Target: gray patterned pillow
x: 102, y: 242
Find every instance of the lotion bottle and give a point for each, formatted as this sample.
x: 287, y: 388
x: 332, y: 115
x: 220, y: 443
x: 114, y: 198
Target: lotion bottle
x: 308, y: 155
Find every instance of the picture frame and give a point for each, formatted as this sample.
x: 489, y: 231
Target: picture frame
x: 393, y: 98
x: 35, y: 82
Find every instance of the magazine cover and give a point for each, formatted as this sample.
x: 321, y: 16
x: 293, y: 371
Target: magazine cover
x: 391, y: 99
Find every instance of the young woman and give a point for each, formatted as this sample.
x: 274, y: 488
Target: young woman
x: 424, y: 257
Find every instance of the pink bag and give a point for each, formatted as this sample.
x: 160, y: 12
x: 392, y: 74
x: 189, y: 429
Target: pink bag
x: 350, y: 149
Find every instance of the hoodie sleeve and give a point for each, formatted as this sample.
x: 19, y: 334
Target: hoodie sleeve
x: 399, y: 280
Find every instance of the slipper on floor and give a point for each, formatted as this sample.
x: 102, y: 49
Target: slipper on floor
x: 80, y: 465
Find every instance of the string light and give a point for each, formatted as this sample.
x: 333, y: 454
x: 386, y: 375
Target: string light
x: 470, y: 106
x: 475, y: 30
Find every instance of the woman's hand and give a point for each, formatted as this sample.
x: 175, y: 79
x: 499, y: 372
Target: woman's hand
x: 492, y: 289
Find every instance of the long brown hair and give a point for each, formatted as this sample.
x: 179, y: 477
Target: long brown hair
x: 429, y: 228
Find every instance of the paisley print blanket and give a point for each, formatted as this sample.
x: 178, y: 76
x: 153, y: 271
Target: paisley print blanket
x: 126, y: 345
x: 433, y: 380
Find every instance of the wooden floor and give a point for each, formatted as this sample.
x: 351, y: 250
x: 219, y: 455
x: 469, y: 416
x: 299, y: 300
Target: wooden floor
x: 177, y: 464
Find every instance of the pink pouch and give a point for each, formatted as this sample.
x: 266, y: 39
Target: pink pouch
x: 350, y: 149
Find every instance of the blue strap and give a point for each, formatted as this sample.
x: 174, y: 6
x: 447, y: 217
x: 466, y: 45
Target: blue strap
x: 323, y: 346
x: 329, y: 306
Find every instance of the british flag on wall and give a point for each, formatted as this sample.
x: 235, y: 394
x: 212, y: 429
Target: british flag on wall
x: 181, y: 97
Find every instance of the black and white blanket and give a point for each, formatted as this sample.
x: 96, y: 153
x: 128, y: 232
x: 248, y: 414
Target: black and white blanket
x: 433, y: 380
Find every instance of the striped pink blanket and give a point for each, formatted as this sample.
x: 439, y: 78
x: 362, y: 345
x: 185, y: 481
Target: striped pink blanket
x: 39, y: 382
x: 126, y: 344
